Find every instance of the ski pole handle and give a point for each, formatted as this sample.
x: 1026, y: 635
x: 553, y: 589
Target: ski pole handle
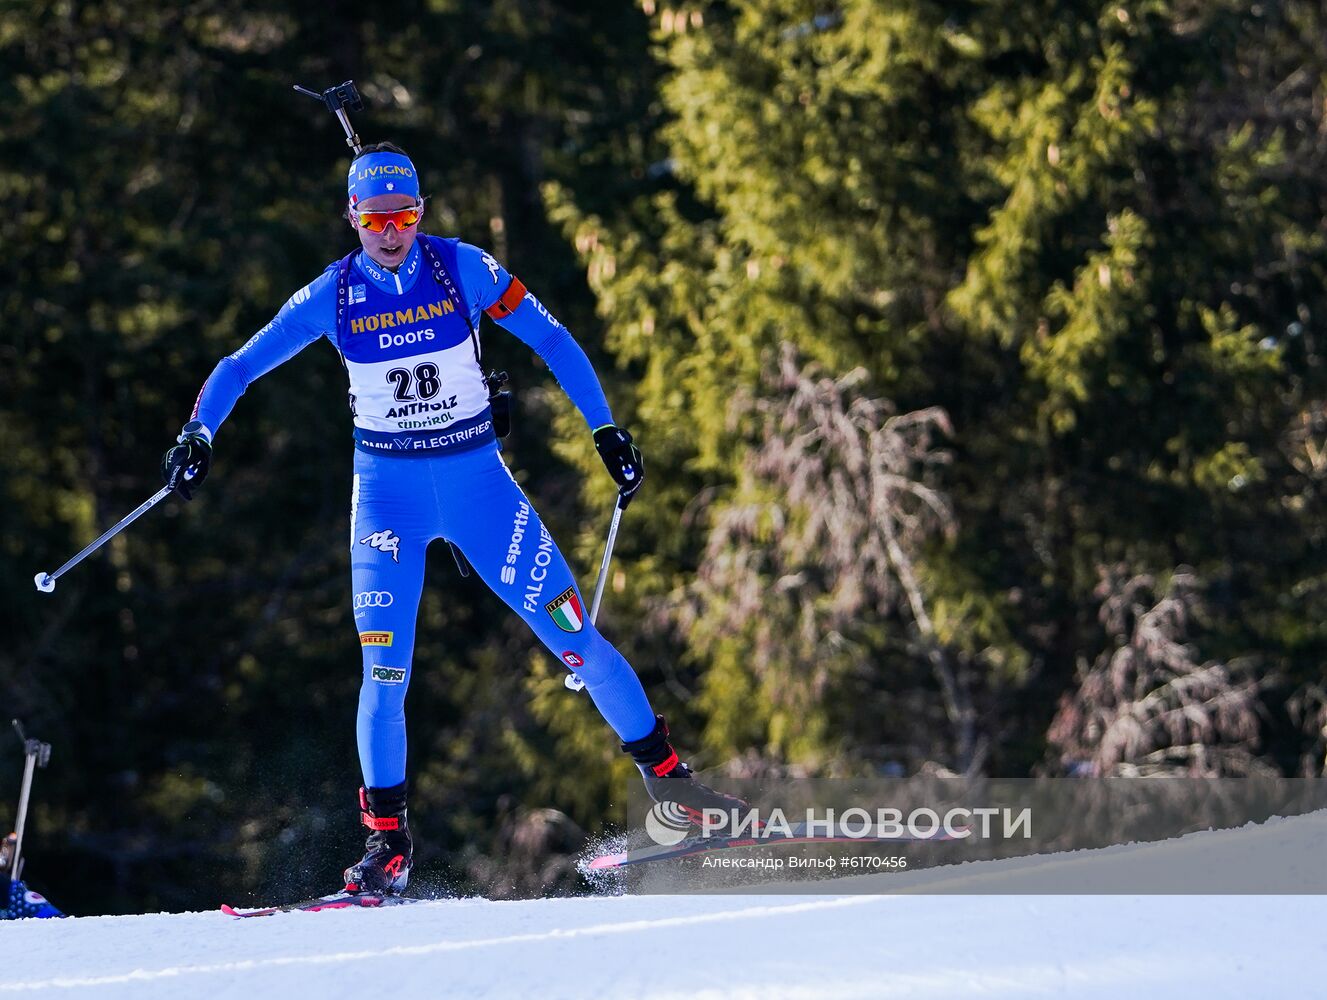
x: 573, y: 680
x: 33, y: 748
x: 15, y: 863
x: 36, y: 754
x: 46, y: 581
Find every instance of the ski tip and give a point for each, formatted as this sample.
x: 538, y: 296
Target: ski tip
x: 606, y: 861
x: 231, y: 911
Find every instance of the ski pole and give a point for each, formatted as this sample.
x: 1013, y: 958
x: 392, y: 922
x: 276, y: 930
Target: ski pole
x: 337, y: 99
x: 573, y: 680
x: 46, y: 581
x: 37, y: 754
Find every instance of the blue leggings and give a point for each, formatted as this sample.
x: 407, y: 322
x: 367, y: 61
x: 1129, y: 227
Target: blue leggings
x: 399, y: 504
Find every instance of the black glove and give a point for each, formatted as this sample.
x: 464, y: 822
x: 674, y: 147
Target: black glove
x: 621, y: 457
x: 184, y: 467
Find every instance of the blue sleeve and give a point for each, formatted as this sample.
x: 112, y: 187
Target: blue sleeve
x: 307, y: 315
x: 483, y: 281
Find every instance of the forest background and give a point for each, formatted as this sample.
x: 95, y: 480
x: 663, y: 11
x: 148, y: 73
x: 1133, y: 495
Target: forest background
x: 973, y: 349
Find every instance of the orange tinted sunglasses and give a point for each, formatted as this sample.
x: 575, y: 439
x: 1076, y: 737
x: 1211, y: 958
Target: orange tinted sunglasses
x: 376, y: 222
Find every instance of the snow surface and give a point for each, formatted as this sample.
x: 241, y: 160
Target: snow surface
x: 722, y: 946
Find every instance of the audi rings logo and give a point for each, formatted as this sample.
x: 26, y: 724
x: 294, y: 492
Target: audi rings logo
x: 373, y: 599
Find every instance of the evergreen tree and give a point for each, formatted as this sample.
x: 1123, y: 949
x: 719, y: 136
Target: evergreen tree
x: 1086, y: 232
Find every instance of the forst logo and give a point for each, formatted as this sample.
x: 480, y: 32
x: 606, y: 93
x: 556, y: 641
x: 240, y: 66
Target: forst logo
x: 388, y: 675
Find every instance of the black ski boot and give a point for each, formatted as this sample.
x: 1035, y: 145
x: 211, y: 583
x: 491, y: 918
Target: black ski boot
x: 668, y: 779
x: 385, y: 866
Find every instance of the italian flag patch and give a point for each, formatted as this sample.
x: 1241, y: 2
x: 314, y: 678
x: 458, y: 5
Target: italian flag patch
x: 565, y: 610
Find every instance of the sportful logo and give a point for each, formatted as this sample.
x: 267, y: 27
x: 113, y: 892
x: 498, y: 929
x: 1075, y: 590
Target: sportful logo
x: 376, y: 638
x: 373, y: 599
x: 508, y: 572
x: 565, y: 610
x: 384, y: 541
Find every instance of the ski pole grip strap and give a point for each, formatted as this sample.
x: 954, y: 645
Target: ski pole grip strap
x: 380, y: 822
x: 508, y: 301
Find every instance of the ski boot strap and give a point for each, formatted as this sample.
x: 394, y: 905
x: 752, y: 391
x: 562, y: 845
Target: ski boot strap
x: 380, y: 822
x: 654, y: 751
x: 382, y: 808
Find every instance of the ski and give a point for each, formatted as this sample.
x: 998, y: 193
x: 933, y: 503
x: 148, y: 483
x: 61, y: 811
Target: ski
x: 333, y: 901
x: 797, y: 834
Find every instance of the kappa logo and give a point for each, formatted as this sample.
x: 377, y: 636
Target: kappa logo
x: 384, y: 541
x: 565, y: 610
x: 376, y: 638
x: 572, y: 660
x: 388, y: 675
x: 494, y: 268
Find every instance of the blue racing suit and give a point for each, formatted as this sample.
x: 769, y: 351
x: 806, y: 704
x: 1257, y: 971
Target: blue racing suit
x: 427, y: 466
